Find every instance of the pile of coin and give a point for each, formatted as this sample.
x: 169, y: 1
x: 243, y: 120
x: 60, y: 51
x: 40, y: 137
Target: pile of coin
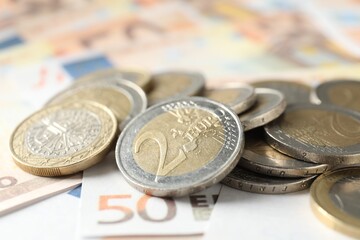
x: 175, y: 137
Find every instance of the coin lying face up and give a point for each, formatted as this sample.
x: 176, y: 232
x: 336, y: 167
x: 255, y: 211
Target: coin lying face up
x: 317, y: 133
x: 252, y: 182
x: 269, y: 105
x: 344, y: 93
x: 140, y: 78
x: 124, y: 98
x: 259, y: 157
x: 237, y: 98
x: 335, y: 200
x: 169, y: 85
x: 63, y: 139
x: 180, y: 146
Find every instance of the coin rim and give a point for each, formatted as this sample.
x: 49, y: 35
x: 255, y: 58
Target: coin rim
x: 125, y: 142
x: 326, y: 210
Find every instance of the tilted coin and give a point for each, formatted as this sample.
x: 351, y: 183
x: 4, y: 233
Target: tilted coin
x: 169, y: 85
x: 344, y: 93
x: 140, y: 78
x: 180, y: 146
x: 259, y: 157
x: 269, y: 105
x: 317, y: 133
x: 238, y: 98
x: 253, y: 182
x: 124, y: 98
x: 63, y: 139
x: 294, y: 92
x: 335, y: 198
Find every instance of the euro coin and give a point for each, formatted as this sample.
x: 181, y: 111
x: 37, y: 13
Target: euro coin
x: 180, y: 146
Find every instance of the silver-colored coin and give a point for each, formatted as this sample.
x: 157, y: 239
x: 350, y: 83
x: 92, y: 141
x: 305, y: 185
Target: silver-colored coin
x: 294, y: 92
x: 252, y: 182
x: 343, y: 93
x: 269, y: 105
x: 124, y: 98
x: 180, y: 146
x: 317, y: 133
x: 259, y: 157
x: 238, y: 98
x: 170, y: 85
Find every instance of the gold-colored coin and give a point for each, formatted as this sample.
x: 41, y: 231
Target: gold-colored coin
x: 140, y: 78
x: 335, y: 200
x: 173, y: 85
x: 63, y: 139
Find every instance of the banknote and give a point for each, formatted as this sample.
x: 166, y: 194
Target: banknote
x: 24, y: 90
x: 111, y: 207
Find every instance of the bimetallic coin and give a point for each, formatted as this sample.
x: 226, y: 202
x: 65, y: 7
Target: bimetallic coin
x: 335, y: 199
x: 317, y: 133
x: 343, y: 93
x: 259, y: 157
x: 237, y: 98
x: 124, y: 98
x: 180, y: 146
x: 169, y: 85
x: 269, y: 105
x: 140, y: 78
x: 252, y: 182
x: 63, y: 139
x: 294, y: 92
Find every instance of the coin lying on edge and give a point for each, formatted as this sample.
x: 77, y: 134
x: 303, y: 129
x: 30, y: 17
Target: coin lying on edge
x: 63, y: 139
x: 343, y: 93
x: 335, y: 200
x: 124, y: 98
x: 168, y: 85
x: 238, y: 98
x: 180, y: 146
x: 140, y: 78
x: 252, y: 182
x: 294, y: 92
x: 259, y: 157
x: 269, y: 105
x: 317, y: 133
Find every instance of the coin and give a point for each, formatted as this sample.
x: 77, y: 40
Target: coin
x: 124, y: 98
x: 63, y: 139
x: 294, y: 92
x: 344, y: 93
x: 269, y: 105
x: 317, y: 133
x: 180, y: 146
x: 169, y: 85
x: 335, y: 200
x: 140, y: 78
x: 259, y: 157
x: 237, y: 98
x: 252, y: 182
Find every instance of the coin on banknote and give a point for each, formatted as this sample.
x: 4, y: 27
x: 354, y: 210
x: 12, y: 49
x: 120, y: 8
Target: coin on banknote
x: 317, y: 133
x: 238, y: 98
x: 180, y: 146
x: 269, y: 105
x: 169, y: 85
x: 259, y: 157
x: 294, y: 91
x: 124, y: 98
x: 335, y: 200
x: 253, y: 182
x: 64, y: 138
x: 140, y: 78
x: 344, y: 93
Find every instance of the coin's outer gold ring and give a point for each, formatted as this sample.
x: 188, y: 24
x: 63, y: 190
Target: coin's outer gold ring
x: 77, y: 162
x: 326, y: 210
